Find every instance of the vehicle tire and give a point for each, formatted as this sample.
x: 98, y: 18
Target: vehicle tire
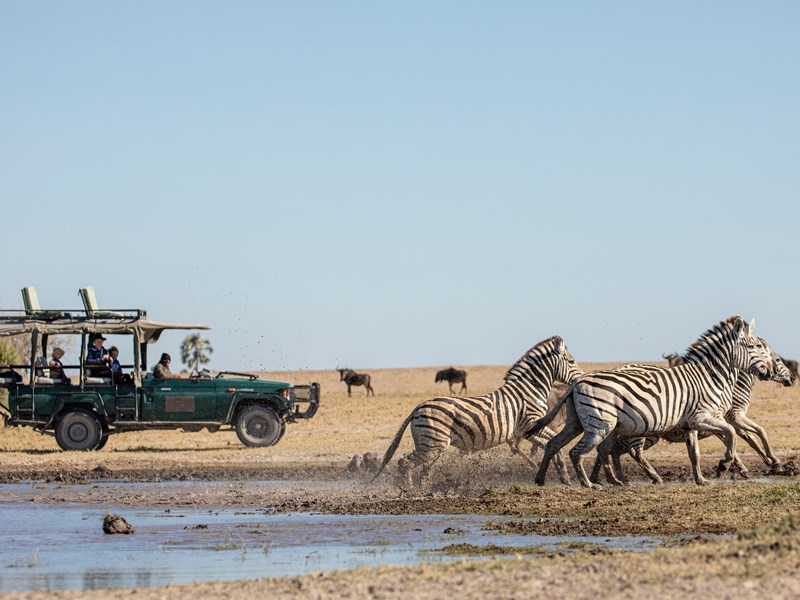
x: 258, y: 426
x: 78, y: 429
x: 103, y: 441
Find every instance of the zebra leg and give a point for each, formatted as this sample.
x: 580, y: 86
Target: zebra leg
x: 561, y: 467
x: 636, y: 453
x: 738, y: 465
x: 745, y: 427
x: 545, y: 435
x: 589, y: 441
x: 514, y: 445
x: 710, y: 423
x: 594, y: 477
x: 537, y: 444
x: 616, y: 460
x: 616, y: 451
x: 572, y: 428
x: 419, y: 457
x: 694, y: 456
x: 603, y: 452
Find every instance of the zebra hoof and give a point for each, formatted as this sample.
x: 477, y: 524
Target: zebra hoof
x: 539, y: 482
x: 776, y: 469
x: 702, y: 482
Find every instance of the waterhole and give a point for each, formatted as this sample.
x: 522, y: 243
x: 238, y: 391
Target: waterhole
x: 62, y: 546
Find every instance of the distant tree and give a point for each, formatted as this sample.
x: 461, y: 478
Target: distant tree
x: 20, y: 345
x: 9, y: 354
x: 195, y: 351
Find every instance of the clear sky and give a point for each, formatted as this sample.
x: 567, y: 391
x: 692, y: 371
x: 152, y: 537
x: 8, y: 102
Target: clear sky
x: 396, y: 184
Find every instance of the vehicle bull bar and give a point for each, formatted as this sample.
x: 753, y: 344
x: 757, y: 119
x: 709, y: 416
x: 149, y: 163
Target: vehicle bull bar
x: 306, y: 394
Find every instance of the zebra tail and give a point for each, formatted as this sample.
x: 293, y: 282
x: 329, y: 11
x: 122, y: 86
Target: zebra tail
x: 539, y: 424
x: 393, y: 446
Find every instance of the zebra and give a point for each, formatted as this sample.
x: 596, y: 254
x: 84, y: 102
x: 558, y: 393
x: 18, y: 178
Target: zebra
x: 792, y: 366
x: 644, y: 402
x: 735, y: 413
x: 352, y: 378
x: 451, y: 376
x: 482, y: 422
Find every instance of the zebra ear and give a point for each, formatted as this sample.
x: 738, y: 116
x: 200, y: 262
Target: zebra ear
x: 559, y: 344
x: 751, y: 327
x: 738, y: 326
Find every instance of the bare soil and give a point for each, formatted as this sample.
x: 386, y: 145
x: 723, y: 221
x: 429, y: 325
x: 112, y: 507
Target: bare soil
x: 310, y: 466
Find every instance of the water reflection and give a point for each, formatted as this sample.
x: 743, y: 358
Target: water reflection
x: 59, y: 547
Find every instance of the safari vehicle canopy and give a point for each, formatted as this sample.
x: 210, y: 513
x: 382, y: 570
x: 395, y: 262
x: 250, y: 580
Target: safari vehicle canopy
x: 83, y: 414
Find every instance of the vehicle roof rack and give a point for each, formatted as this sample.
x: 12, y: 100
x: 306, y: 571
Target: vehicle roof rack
x: 90, y: 305
x: 32, y: 308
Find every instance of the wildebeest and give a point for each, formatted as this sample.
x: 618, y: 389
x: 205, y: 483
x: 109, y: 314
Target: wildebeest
x: 352, y: 378
x: 792, y: 366
x: 451, y: 376
x: 674, y: 359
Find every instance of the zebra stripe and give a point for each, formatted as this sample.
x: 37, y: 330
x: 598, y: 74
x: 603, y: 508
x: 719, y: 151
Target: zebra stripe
x: 642, y: 402
x: 483, y: 422
x: 734, y: 413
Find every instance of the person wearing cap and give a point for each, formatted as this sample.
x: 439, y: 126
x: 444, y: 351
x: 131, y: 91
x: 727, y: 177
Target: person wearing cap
x: 161, y: 370
x: 97, y: 360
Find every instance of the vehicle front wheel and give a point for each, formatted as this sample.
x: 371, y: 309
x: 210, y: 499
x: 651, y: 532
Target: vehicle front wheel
x: 259, y: 426
x: 78, y: 429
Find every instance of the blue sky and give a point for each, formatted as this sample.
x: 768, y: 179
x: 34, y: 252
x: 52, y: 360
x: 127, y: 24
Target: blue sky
x: 406, y: 184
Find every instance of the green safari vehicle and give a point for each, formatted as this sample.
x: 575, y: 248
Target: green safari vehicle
x: 83, y: 414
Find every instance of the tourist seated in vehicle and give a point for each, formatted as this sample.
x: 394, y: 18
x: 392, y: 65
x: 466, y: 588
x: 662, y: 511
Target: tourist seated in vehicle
x: 97, y: 359
x: 116, y: 368
x: 56, y: 367
x: 161, y: 370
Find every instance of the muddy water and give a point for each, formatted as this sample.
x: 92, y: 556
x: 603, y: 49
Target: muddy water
x: 62, y: 546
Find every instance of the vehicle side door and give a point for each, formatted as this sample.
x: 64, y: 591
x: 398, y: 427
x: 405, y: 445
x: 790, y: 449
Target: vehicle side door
x: 182, y: 400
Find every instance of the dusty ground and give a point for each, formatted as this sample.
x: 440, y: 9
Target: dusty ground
x: 313, y: 456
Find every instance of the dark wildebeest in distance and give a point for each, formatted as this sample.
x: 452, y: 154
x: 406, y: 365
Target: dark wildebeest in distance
x: 451, y: 376
x: 673, y: 359
x: 792, y: 366
x: 352, y: 378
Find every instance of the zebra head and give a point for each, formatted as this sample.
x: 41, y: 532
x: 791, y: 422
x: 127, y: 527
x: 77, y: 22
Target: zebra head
x: 566, y: 369
x: 546, y: 362
x: 780, y: 372
x: 750, y: 353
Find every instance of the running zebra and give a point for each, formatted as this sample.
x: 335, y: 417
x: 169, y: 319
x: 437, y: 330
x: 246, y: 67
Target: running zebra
x: 478, y: 423
x: 735, y: 413
x: 643, y: 402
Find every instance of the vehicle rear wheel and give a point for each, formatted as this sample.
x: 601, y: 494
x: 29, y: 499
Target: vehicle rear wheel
x: 78, y: 429
x: 258, y: 426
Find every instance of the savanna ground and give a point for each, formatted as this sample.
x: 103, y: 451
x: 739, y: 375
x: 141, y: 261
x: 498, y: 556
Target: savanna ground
x: 759, y: 554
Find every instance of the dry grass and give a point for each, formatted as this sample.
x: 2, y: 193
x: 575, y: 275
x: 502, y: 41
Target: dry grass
x: 347, y: 426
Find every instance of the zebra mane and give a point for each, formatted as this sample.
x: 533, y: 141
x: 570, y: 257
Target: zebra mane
x: 522, y: 368
x: 710, y: 339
